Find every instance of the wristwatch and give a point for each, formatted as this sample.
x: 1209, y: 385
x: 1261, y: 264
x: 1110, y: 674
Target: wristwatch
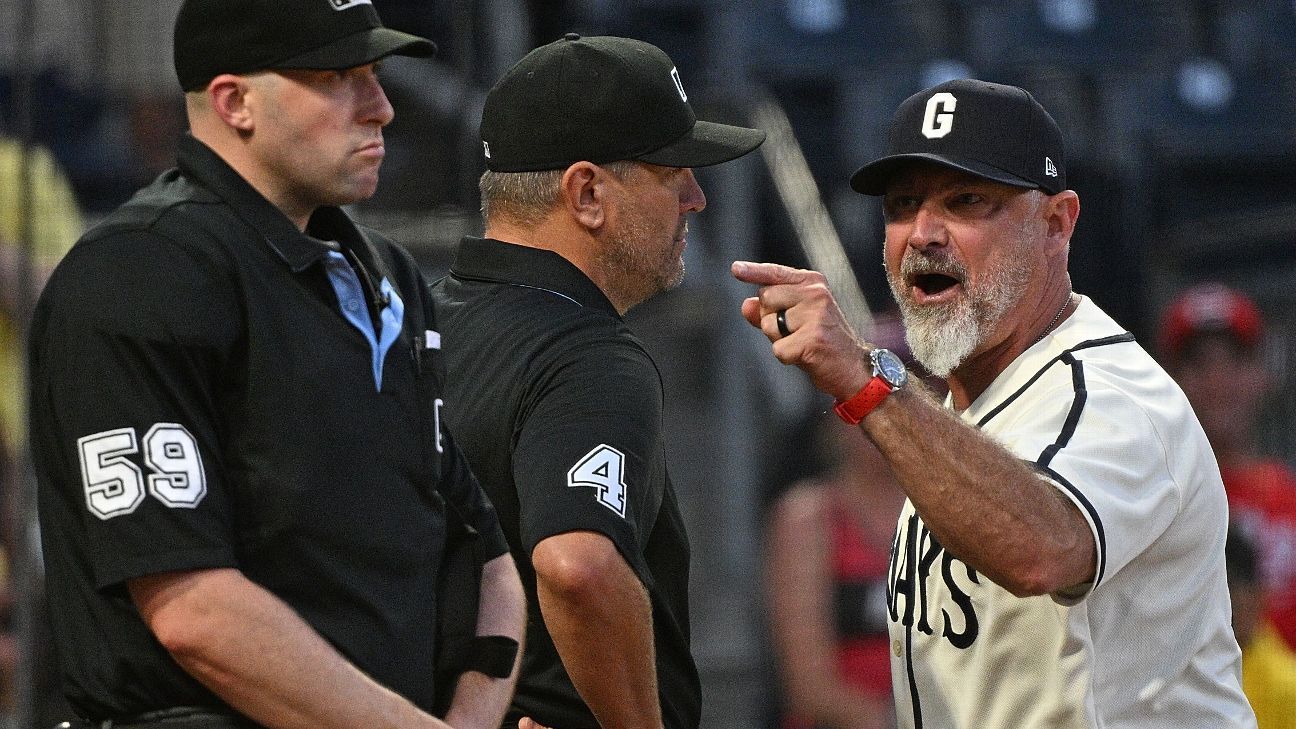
x: 889, y: 374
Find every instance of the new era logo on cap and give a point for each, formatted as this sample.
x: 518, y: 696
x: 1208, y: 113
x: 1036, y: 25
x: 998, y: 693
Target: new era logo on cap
x: 989, y: 130
x: 679, y: 85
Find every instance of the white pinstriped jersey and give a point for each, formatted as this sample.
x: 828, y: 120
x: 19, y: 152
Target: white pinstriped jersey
x: 1148, y: 645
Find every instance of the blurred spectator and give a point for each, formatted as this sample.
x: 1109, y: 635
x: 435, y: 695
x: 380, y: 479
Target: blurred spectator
x: 1212, y: 341
x: 828, y: 545
x: 35, y: 202
x: 39, y: 221
x: 829, y: 541
x: 1268, y: 665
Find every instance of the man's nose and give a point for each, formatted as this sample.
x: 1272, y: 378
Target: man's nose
x: 928, y: 228
x: 374, y: 103
x: 692, y: 199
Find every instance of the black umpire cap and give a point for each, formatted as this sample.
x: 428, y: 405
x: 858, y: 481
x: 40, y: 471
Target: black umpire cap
x: 990, y: 130
x: 600, y: 99
x: 239, y: 36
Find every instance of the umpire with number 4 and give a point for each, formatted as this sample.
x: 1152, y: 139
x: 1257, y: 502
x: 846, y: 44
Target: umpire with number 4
x: 244, y: 486
x: 589, y: 146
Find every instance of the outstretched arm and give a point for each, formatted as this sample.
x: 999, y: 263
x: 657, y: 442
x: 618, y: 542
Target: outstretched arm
x: 983, y: 503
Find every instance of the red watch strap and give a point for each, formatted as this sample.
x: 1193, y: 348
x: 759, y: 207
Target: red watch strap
x: 862, y: 403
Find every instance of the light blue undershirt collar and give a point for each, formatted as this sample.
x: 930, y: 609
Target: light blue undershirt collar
x: 351, y: 298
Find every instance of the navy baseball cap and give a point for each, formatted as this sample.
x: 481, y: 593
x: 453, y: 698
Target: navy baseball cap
x: 600, y: 99
x: 240, y: 36
x: 990, y: 130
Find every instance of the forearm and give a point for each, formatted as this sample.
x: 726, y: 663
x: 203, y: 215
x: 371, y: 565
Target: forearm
x: 987, y: 507
x: 257, y: 654
x: 984, y: 505
x: 481, y: 700
x: 600, y: 618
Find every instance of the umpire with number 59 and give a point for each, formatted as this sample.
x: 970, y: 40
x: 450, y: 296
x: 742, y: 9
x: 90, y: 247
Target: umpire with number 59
x: 245, y: 491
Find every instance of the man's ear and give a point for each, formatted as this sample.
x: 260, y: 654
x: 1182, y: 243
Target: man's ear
x: 1061, y: 211
x: 228, y: 95
x: 584, y: 190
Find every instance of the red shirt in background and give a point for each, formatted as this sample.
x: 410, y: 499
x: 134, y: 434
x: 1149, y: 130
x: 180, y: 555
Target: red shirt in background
x: 1262, y: 500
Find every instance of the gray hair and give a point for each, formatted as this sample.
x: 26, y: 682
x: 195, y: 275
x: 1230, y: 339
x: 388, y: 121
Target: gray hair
x: 527, y: 197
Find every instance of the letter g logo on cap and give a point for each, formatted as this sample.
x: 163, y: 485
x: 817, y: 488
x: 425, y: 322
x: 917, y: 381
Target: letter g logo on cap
x: 939, y: 117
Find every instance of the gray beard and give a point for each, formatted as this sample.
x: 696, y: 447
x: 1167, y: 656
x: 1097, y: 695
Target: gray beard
x: 943, y: 336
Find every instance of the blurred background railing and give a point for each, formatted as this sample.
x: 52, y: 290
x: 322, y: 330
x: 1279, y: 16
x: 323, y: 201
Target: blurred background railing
x: 1180, y: 117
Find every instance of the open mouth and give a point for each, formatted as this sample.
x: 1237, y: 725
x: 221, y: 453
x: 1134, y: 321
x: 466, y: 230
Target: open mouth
x: 932, y: 284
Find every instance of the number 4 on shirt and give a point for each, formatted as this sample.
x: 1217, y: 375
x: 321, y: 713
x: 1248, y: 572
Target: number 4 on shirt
x: 604, y: 469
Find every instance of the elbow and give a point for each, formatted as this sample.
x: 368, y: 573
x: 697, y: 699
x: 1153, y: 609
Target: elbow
x: 1050, y: 571
x: 186, y: 638
x: 569, y: 579
x: 1030, y: 582
x: 577, y: 575
x: 179, y: 610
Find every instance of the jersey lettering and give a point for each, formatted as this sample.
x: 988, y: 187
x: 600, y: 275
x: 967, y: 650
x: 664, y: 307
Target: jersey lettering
x: 180, y: 481
x: 901, y: 574
x: 604, y: 469
x: 938, y: 119
x: 436, y: 423
x: 115, y: 486
x: 914, y: 555
x: 928, y: 557
x: 971, y: 627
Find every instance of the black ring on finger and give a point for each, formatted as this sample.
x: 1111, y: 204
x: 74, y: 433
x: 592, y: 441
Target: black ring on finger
x: 781, y: 320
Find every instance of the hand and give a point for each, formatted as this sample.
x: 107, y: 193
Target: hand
x: 527, y: 722
x: 822, y: 343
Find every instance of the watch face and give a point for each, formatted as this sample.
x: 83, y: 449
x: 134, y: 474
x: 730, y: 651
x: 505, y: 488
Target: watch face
x: 889, y: 367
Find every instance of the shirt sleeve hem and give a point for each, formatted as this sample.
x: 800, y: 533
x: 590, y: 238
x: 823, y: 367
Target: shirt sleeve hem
x: 177, y: 561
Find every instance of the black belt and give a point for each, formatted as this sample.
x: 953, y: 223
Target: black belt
x: 181, y: 717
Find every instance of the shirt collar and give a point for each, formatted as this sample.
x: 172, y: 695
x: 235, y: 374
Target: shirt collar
x: 486, y: 259
x: 200, y: 163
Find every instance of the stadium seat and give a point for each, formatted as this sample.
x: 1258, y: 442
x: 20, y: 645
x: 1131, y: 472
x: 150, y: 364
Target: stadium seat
x: 816, y: 37
x: 1097, y: 36
x: 1255, y: 35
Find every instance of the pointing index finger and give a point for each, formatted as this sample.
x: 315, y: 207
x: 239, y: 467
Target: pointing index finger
x: 768, y: 274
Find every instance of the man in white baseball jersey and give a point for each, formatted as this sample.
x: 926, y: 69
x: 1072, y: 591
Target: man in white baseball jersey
x: 1060, y: 559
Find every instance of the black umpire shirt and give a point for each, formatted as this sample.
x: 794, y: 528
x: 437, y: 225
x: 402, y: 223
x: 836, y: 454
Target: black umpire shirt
x: 559, y: 410
x: 213, y: 389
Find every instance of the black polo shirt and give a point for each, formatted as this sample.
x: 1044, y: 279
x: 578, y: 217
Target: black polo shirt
x: 204, y: 395
x: 559, y: 409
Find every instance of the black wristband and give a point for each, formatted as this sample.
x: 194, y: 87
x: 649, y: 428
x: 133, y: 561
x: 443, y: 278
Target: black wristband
x: 492, y: 655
